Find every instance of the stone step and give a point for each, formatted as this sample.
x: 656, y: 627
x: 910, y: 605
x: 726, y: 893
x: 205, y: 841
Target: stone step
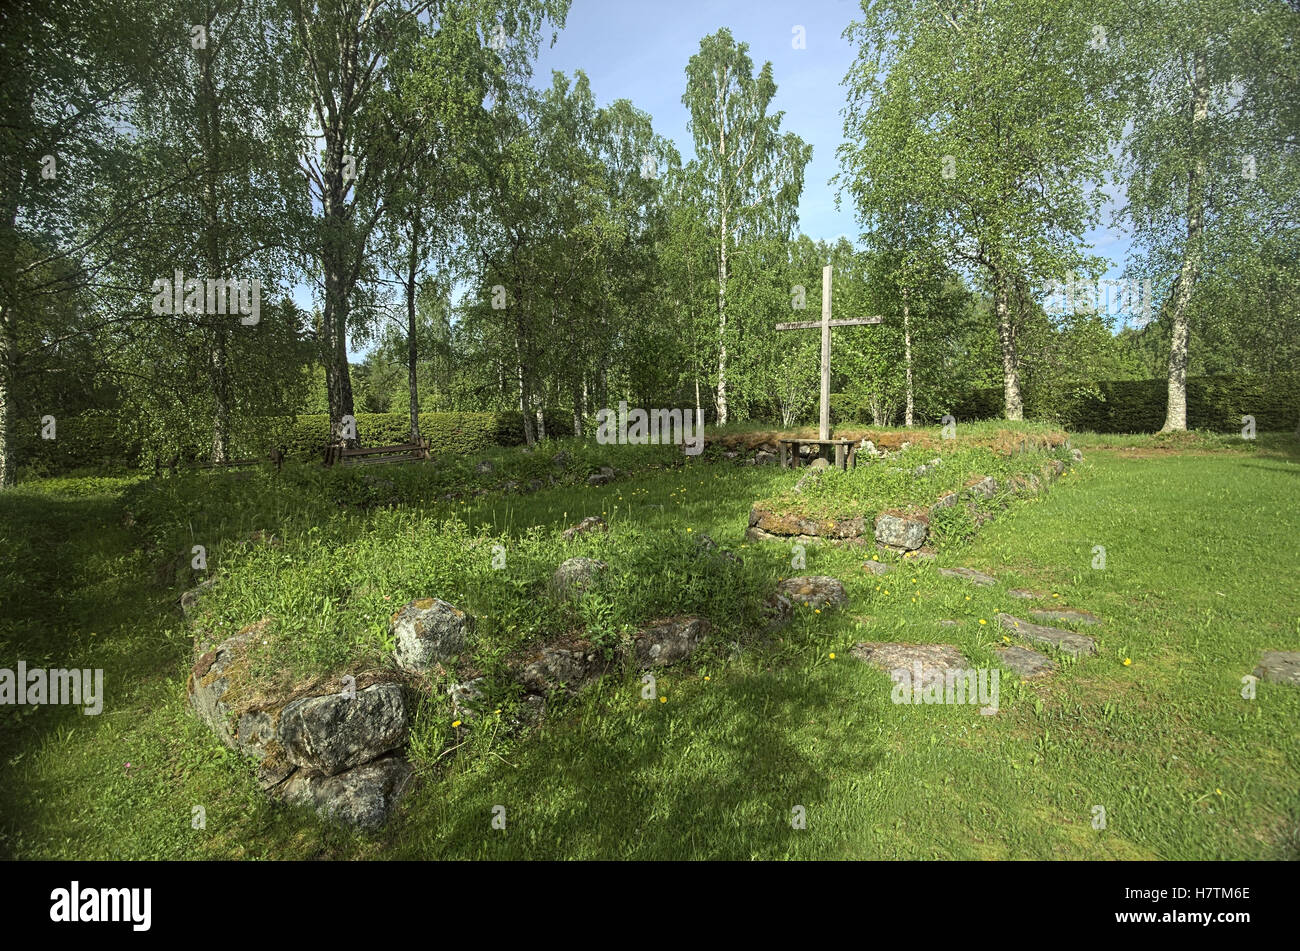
x: 969, y: 574
x: 935, y: 659
x: 1069, y: 642
x: 1069, y: 615
x: 1029, y: 664
x: 1280, y: 667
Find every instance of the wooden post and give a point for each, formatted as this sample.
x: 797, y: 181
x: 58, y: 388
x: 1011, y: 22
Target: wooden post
x: 824, y: 429
x: 841, y: 456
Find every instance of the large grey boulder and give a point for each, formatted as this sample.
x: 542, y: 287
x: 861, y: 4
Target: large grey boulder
x: 428, y: 631
x: 575, y: 576
x: 256, y: 735
x: 568, y: 667
x: 211, y: 676
x: 666, y: 642
x: 363, y: 796
x: 901, y: 531
x: 605, y: 475
x: 986, y: 488
x: 335, y: 732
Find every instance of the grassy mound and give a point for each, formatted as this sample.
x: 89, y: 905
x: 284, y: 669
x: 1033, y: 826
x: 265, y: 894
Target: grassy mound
x: 909, y: 481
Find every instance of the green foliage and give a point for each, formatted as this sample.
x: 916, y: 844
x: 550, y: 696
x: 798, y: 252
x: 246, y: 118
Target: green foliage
x: 104, y: 440
x: 1215, y: 403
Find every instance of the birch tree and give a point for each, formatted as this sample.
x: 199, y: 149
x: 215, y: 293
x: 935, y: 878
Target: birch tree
x: 989, y: 120
x: 1212, y: 160
x: 747, y: 166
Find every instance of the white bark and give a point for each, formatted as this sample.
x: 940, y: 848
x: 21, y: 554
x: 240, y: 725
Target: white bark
x: 907, y: 358
x: 1176, y: 411
x: 1014, y: 408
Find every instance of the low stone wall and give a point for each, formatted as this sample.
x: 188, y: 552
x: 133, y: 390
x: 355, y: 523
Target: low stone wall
x: 337, y: 743
x: 900, y: 530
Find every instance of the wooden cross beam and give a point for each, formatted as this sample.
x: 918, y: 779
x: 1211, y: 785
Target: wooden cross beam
x: 826, y: 324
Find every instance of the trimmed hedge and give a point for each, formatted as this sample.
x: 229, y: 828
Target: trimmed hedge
x: 1215, y: 403
x: 80, y: 442
x: 461, y: 433
x: 94, y: 442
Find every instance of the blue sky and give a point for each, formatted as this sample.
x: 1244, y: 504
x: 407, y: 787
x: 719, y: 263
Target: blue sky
x: 638, y: 51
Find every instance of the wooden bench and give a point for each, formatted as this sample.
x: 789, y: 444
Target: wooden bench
x: 845, y: 451
x: 340, y: 454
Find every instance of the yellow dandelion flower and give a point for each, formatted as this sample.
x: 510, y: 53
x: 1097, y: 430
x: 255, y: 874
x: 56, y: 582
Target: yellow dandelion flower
x: 455, y: 723
x: 1006, y: 639
x: 663, y: 699
x: 1128, y: 661
x: 832, y: 655
x: 982, y: 621
x: 707, y: 677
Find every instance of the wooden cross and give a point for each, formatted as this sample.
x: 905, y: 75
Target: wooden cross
x: 826, y: 324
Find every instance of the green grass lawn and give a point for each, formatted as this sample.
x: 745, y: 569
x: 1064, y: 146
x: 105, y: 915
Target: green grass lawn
x: 1201, y: 575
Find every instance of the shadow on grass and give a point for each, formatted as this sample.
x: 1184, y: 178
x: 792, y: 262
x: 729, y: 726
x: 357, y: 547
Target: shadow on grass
x: 75, y: 597
x: 632, y: 783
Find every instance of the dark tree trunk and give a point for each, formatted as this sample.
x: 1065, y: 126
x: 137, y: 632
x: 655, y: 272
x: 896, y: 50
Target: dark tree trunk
x: 209, y: 108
